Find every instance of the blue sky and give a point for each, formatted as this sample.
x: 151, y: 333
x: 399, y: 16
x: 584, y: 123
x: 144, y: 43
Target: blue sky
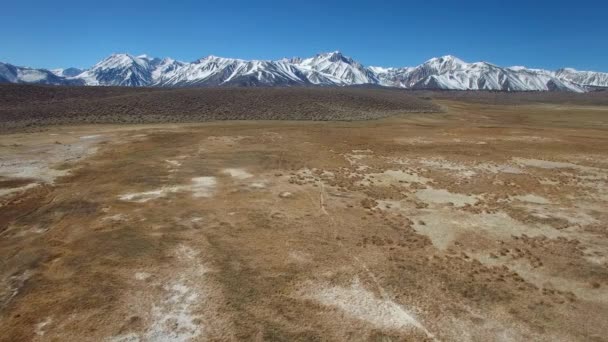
x: 547, y: 34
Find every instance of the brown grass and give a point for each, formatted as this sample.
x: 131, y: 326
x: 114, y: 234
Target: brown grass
x: 331, y: 261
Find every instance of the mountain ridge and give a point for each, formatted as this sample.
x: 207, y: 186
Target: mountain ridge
x: 324, y: 69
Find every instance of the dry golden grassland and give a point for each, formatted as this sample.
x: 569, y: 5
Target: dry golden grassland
x: 481, y: 222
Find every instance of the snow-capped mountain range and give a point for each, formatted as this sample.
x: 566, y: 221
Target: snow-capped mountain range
x: 326, y: 69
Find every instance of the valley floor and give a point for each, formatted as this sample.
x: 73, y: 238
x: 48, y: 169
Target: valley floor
x: 484, y: 222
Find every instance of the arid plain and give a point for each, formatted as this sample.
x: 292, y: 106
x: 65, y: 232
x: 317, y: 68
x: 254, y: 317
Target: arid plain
x: 482, y: 221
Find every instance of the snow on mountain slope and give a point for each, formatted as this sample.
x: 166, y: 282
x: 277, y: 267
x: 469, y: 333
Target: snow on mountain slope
x: 15, y: 74
x: 391, y: 77
x: 8, y: 73
x: 121, y: 70
x: 588, y: 78
x: 325, y: 69
x: 449, y: 72
x: 69, y: 72
x: 336, y: 68
x: 267, y: 73
x: 538, y: 79
x: 214, y: 71
x: 164, y: 68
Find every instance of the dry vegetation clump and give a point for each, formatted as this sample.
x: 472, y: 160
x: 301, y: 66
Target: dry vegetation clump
x: 593, y: 98
x: 33, y: 106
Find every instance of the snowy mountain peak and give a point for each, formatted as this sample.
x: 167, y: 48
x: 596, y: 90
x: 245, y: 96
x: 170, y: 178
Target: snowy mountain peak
x: 120, y: 69
x: 324, y: 69
x: 334, y: 56
x: 330, y: 54
x: 333, y: 68
x: 588, y: 78
x: 213, y: 58
x: 292, y: 60
x: 448, y: 59
x: 445, y: 62
x: 116, y: 60
x: 380, y: 70
x: 169, y: 60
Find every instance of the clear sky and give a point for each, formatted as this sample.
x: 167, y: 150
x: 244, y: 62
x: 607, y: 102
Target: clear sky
x: 534, y: 33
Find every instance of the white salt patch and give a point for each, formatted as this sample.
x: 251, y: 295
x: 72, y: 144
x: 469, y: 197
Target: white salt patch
x: 4, y: 192
x: 186, y: 252
x: 499, y: 168
x: 597, y: 259
x: 572, y: 215
x: 258, y: 185
x: 443, y: 164
x: 468, y: 171
x: 175, y: 163
x: 177, y: 316
x: 353, y: 159
x: 173, y: 319
x: 142, y: 275
x: 285, y: 194
x: 531, y: 198
x: 226, y: 139
x: 31, y: 230
x: 36, y: 161
x: 36, y: 170
x: 414, y: 140
x: 116, y: 217
x: 141, y: 197
x: 200, y: 187
x: 328, y: 174
x: 299, y: 257
x: 529, y: 138
x: 442, y: 196
x: 237, y: 173
x: 132, y: 337
x: 40, y: 331
x: 362, y: 304
x: 445, y: 226
x: 203, y: 186
x: 546, y: 164
x: 88, y: 137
